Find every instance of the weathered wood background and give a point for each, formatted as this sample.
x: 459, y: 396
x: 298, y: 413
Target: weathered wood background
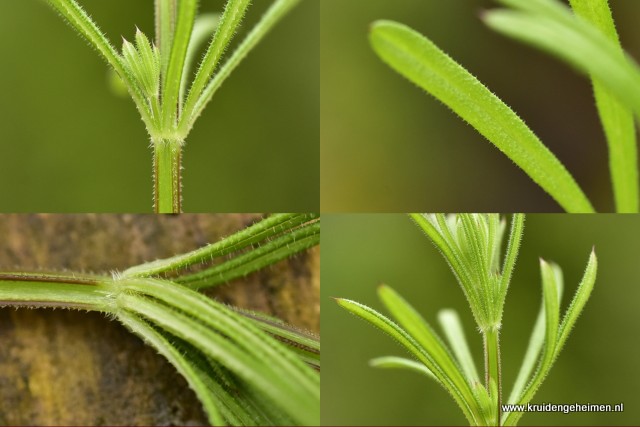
x: 60, y: 367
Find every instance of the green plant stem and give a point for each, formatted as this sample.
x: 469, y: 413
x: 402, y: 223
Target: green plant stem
x: 167, y: 176
x: 492, y: 365
x: 56, y: 290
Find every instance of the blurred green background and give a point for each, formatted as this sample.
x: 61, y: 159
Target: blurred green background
x: 599, y: 363
x: 386, y: 146
x: 68, y: 144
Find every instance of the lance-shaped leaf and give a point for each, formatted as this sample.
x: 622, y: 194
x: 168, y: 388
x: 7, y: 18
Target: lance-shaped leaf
x: 468, y: 407
x: 617, y: 120
x: 562, y: 332
x: 269, y: 227
x: 276, y: 12
x: 419, y: 60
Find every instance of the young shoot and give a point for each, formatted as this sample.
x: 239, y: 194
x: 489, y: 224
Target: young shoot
x: 472, y: 246
x: 158, y: 75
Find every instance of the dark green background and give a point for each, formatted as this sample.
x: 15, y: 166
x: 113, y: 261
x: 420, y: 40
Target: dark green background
x: 68, y: 144
x: 599, y: 363
x: 386, y: 146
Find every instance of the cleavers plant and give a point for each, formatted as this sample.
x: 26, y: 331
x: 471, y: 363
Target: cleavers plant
x: 472, y: 246
x: 157, y: 75
x: 587, y: 40
x: 246, y: 368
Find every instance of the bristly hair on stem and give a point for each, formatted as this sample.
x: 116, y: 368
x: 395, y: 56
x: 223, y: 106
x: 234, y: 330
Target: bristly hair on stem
x: 472, y: 246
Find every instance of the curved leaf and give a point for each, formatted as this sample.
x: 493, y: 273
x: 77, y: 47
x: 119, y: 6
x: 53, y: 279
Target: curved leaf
x: 419, y: 60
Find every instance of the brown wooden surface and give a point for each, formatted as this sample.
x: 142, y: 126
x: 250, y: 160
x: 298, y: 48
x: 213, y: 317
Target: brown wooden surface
x: 60, y: 367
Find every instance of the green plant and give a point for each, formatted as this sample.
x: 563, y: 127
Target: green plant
x: 472, y: 245
x: 157, y: 76
x: 245, y: 367
x: 588, y: 41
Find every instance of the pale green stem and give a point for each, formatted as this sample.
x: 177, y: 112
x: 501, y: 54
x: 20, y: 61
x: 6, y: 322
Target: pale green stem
x: 492, y: 365
x: 167, y: 176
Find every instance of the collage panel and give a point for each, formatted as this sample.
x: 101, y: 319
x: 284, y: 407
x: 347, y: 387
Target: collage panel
x: 384, y: 366
x: 159, y: 320
x: 475, y: 106
x: 74, y: 141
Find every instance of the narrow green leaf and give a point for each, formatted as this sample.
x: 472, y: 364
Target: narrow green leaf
x: 184, y: 366
x: 577, y: 43
x: 171, y: 83
x: 579, y: 300
x: 442, y: 239
x: 274, y: 14
x: 257, y: 372
x: 71, y: 11
x: 425, y: 336
x: 513, y: 248
x: 151, y: 64
x: 203, y: 28
x: 226, y: 321
x: 571, y: 315
x: 419, y: 60
x: 305, y: 344
x: 227, y: 27
x: 393, y: 362
x: 535, y: 343
x: 275, y: 250
x: 268, y: 227
x: 412, y: 346
x: 617, y: 120
x: 551, y: 313
x: 452, y: 327
x: 165, y: 17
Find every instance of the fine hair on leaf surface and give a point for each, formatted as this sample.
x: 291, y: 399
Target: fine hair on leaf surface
x: 471, y: 244
x: 245, y: 367
x: 586, y: 39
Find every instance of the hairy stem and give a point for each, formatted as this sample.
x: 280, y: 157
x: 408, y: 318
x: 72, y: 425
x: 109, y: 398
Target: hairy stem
x: 167, y: 176
x: 492, y: 366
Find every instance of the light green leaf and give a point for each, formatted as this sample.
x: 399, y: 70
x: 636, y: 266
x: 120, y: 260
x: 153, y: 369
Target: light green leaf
x: 271, y: 226
x: 419, y: 60
x: 255, y: 371
x: 582, y: 295
x: 179, y: 361
x: 71, y: 11
x: 535, y: 343
x: 452, y: 327
x: 227, y: 27
x: 171, y: 82
x: 411, y: 345
x: 513, y: 248
x: 579, y: 300
x: 165, y: 21
x: 269, y: 253
x: 203, y: 28
x: 220, y: 318
x: 617, y: 120
x: 274, y: 14
x: 305, y: 343
x: 393, y: 362
x: 551, y: 314
x: 425, y: 336
x: 578, y: 43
